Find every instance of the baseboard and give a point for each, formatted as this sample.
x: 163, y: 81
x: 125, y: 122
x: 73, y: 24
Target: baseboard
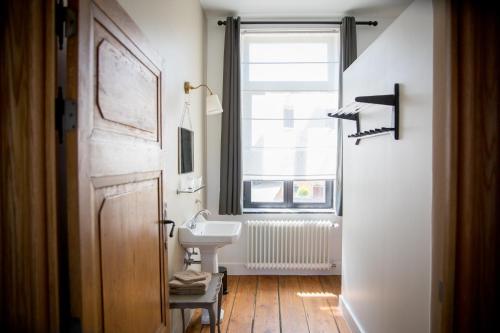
x: 241, y: 269
x: 349, y: 317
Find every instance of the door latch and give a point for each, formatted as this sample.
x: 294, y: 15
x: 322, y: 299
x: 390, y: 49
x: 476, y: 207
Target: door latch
x: 173, y: 226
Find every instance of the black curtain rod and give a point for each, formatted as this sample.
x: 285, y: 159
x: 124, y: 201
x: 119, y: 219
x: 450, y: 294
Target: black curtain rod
x: 373, y: 23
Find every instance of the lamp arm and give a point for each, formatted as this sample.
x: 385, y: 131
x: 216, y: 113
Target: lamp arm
x: 188, y: 86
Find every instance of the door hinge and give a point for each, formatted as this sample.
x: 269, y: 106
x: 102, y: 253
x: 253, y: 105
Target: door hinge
x: 65, y: 114
x: 65, y: 23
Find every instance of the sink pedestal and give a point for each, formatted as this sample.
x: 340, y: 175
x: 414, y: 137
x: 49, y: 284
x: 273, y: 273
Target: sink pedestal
x: 209, y: 259
x: 209, y: 263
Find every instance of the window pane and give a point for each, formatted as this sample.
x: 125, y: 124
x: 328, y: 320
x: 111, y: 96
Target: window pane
x: 297, y: 105
x: 289, y: 72
x: 288, y: 134
x: 283, y: 163
x: 309, y: 191
x: 291, y: 133
x: 288, y: 52
x: 267, y: 191
x: 290, y: 47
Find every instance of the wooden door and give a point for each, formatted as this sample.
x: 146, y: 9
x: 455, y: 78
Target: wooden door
x: 118, y: 256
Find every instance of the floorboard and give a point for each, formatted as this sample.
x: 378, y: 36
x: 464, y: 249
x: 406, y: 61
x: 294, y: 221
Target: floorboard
x: 331, y: 284
x: 320, y: 317
x: 241, y: 320
x: 267, y: 305
x: 293, y: 315
x: 279, y: 304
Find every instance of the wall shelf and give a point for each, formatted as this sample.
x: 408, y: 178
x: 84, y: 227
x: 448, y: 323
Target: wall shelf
x: 372, y: 132
x: 190, y: 190
x: 351, y: 112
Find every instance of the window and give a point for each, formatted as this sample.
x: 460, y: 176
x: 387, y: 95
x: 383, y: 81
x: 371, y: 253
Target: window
x: 288, y: 194
x: 289, y: 84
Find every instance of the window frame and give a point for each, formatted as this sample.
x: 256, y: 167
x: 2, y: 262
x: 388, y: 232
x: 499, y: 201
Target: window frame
x: 250, y: 88
x: 288, y: 196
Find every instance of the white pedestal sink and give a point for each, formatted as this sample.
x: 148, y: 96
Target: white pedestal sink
x: 209, y: 237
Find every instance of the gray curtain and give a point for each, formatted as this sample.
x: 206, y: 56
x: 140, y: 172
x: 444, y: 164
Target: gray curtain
x: 348, y: 53
x: 230, y: 160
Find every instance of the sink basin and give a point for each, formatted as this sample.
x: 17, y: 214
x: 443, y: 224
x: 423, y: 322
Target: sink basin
x: 208, y: 237
x: 210, y: 233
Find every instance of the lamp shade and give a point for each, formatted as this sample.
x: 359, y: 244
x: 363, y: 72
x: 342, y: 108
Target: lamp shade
x: 213, y: 105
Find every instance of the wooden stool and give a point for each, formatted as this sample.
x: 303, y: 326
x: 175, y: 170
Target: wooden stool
x: 209, y: 300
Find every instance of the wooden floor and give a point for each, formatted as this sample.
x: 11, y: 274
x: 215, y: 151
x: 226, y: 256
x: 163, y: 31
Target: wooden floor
x: 274, y: 304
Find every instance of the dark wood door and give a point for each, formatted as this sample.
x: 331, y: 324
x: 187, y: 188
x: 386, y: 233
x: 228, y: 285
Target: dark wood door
x: 118, y: 245
x: 28, y: 210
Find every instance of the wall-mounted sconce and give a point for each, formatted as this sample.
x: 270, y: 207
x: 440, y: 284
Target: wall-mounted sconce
x: 213, y: 103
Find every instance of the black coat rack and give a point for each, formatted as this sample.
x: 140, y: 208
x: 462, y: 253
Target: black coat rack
x: 351, y: 112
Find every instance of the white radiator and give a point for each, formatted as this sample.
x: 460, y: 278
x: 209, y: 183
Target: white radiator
x: 288, y: 244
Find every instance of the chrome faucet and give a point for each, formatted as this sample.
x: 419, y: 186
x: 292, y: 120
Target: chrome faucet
x: 194, y: 220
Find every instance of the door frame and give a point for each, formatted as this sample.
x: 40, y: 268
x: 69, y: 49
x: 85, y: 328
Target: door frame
x: 29, y: 283
x: 466, y: 153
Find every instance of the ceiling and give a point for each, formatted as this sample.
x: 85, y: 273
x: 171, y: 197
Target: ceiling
x: 305, y: 8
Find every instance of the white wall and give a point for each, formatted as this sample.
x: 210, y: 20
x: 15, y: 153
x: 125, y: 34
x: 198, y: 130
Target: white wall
x: 387, y: 183
x: 176, y: 30
x: 365, y: 35
x: 234, y: 256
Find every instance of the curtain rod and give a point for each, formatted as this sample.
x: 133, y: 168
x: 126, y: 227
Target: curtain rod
x: 372, y: 23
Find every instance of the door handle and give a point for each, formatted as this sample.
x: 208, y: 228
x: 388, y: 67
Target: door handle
x: 173, y: 226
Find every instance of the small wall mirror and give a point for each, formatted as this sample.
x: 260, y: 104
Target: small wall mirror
x: 186, y: 150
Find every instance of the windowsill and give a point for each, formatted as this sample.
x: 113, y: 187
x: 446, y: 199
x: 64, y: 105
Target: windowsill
x: 287, y: 211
